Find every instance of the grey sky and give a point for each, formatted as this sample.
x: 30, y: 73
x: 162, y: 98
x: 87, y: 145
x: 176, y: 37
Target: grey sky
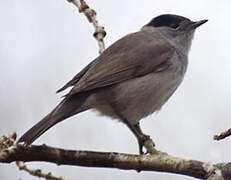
x: 43, y: 44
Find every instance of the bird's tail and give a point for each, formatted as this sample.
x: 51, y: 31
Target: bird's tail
x: 68, y: 107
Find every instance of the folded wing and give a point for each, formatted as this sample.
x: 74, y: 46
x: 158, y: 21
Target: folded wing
x: 132, y: 56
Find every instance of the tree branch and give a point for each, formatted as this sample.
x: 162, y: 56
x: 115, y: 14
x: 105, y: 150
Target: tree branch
x: 99, y: 33
x: 157, y: 162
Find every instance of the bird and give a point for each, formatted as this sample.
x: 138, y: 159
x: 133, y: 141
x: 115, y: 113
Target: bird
x: 131, y: 79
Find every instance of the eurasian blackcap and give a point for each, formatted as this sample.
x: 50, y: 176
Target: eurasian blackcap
x: 131, y: 79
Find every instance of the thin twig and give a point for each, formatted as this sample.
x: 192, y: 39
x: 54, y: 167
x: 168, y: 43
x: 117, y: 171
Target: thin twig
x: 99, y: 33
x: 222, y: 135
x: 37, y: 172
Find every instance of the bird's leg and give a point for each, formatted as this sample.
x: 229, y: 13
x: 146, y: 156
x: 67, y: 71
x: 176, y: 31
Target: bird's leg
x: 141, y: 137
x: 137, y: 126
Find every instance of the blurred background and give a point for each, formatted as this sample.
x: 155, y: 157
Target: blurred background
x: 43, y: 44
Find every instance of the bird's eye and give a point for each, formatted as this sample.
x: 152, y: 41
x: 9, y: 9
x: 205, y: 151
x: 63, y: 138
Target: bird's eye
x: 173, y: 25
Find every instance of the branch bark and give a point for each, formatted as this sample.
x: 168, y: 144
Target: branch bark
x: 159, y: 161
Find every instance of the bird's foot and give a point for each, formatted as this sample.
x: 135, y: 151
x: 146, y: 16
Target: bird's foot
x: 147, y: 142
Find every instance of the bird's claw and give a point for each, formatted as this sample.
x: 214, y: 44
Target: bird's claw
x: 146, y: 141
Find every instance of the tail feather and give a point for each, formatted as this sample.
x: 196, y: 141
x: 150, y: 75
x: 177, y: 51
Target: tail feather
x: 38, y: 129
x: 68, y: 107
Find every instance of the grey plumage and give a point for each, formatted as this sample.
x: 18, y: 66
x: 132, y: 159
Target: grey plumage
x: 133, y: 78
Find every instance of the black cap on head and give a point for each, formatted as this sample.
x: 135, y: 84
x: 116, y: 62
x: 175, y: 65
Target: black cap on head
x: 168, y: 20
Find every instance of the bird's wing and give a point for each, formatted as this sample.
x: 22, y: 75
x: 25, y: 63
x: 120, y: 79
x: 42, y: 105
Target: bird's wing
x: 75, y: 79
x: 132, y: 56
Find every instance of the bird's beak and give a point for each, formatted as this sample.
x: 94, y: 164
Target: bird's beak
x: 198, y: 23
